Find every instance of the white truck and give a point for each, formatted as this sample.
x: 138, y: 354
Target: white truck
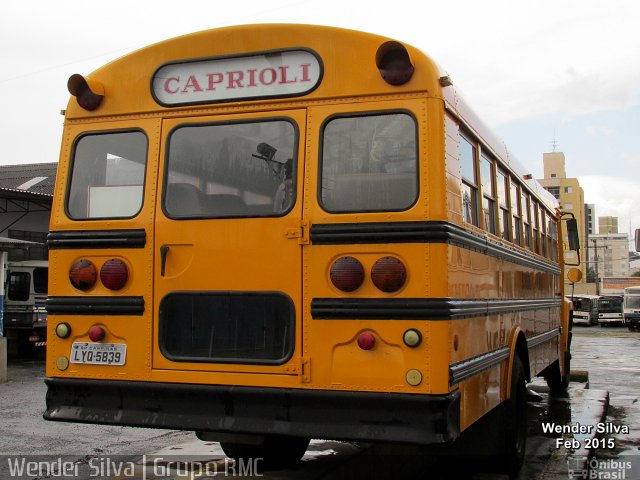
x: 25, y: 315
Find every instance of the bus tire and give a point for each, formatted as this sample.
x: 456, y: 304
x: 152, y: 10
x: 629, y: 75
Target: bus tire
x: 558, y: 383
x: 275, y: 451
x: 515, y: 423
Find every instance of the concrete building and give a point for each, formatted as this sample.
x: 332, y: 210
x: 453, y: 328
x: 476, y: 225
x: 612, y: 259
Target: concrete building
x: 571, y: 197
x: 607, y: 225
x: 609, y: 254
x: 590, y: 214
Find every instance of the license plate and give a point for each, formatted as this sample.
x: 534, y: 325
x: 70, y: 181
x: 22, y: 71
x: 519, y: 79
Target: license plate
x: 98, y: 353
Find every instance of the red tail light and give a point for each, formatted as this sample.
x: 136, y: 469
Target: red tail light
x: 347, y: 274
x: 83, y: 274
x: 366, y: 340
x: 96, y: 333
x: 114, y: 274
x: 388, y: 274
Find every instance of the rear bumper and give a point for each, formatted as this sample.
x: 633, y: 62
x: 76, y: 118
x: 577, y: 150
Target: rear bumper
x: 577, y: 320
x: 355, y: 416
x: 619, y: 319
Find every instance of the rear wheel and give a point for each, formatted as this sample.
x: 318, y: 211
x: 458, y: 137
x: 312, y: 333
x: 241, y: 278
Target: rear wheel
x: 557, y: 382
x: 515, y: 423
x: 275, y: 451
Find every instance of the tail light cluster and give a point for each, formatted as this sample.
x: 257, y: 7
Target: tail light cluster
x: 388, y: 274
x: 113, y: 274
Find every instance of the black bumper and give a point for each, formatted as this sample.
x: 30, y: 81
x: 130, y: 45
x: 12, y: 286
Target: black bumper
x: 355, y: 416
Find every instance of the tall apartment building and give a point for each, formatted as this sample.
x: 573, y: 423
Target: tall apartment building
x: 607, y: 225
x: 590, y: 214
x: 571, y: 198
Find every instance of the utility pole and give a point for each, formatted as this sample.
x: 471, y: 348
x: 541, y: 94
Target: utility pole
x: 596, y: 260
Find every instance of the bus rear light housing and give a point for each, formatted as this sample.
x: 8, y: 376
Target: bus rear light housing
x: 83, y: 274
x: 114, y: 274
x: 347, y: 274
x: 389, y: 274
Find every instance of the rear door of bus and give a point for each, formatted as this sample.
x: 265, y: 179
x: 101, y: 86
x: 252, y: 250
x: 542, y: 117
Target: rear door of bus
x: 228, y: 260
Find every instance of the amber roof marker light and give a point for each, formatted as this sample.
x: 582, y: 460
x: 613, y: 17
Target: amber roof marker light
x: 88, y: 93
x: 392, y: 59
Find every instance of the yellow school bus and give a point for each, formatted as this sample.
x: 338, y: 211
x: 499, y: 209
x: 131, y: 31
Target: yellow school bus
x: 272, y: 233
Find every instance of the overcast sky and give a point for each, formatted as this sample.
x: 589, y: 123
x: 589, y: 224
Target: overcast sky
x: 537, y: 71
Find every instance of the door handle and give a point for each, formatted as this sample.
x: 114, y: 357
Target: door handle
x: 164, y: 250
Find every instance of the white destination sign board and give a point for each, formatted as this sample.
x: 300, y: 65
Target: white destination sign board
x: 285, y: 73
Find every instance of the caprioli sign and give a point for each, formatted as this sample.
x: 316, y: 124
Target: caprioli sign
x: 282, y: 73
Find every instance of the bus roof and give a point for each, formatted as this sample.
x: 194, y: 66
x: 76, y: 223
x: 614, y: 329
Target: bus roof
x: 348, y: 61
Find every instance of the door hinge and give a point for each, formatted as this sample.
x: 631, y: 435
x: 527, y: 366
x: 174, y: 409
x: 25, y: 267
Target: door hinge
x: 301, y: 233
x: 305, y: 374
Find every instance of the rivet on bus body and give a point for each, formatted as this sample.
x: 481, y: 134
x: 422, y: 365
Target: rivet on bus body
x: 414, y: 377
x: 62, y: 363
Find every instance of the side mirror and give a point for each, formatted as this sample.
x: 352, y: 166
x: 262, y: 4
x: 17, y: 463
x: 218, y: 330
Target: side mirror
x: 638, y: 240
x: 574, y: 237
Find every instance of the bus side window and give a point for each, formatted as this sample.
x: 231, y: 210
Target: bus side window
x: 503, y: 217
x: 468, y: 154
x: 488, y: 193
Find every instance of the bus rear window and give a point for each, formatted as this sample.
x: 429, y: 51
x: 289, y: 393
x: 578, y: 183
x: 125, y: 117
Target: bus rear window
x: 107, y: 176
x: 369, y: 163
x: 231, y: 170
